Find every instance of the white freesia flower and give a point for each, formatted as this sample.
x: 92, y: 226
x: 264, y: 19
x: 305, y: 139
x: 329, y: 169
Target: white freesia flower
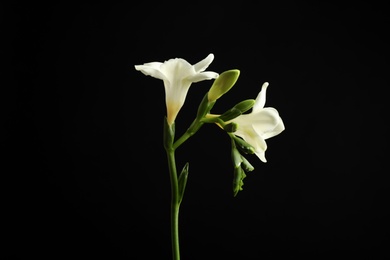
x: 262, y: 123
x: 178, y: 75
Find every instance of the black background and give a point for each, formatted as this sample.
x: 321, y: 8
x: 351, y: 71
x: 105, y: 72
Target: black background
x: 84, y: 171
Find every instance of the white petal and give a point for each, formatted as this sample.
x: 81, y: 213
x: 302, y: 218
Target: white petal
x: 249, y: 134
x: 277, y: 130
x: 151, y: 70
x: 254, y: 139
x: 203, y: 64
x: 260, y: 99
x: 265, y: 120
x: 175, y: 98
x: 261, y: 156
x: 203, y: 76
x: 262, y: 121
x: 155, y: 64
x: 177, y: 69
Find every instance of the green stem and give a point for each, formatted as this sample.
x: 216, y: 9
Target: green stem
x: 175, y: 204
x: 204, y: 108
x: 182, y: 139
x: 170, y: 147
x: 196, y: 124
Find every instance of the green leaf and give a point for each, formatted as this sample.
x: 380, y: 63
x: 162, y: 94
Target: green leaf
x: 182, y: 181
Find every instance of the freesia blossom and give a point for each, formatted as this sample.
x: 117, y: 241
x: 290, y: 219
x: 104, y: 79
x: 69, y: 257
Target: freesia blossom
x: 258, y: 125
x: 178, y: 75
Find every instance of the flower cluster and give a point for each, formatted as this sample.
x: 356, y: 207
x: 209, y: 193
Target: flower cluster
x: 248, y: 131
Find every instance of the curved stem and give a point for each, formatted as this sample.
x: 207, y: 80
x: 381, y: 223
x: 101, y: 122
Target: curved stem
x: 196, y: 124
x: 182, y: 139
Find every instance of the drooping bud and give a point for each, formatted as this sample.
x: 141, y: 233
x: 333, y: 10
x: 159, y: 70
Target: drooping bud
x: 246, y: 165
x: 236, y: 157
x: 243, y: 145
x: 239, y: 176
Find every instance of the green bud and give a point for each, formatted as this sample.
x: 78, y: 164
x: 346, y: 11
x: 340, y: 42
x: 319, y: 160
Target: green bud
x: 230, y: 114
x: 230, y: 128
x: 245, y: 105
x: 223, y: 84
x: 246, y: 165
x: 237, y: 110
x: 243, y: 145
x: 239, y: 176
x: 236, y: 157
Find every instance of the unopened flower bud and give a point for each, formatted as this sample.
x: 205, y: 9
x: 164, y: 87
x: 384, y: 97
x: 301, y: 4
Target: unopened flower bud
x: 245, y: 105
x: 244, y: 146
x: 223, y: 84
x: 230, y: 128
